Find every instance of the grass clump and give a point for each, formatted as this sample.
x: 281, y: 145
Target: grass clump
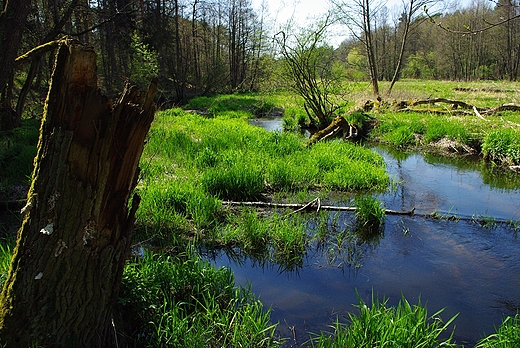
x: 370, y: 216
x: 502, y: 146
x: 235, y: 105
x: 383, y: 326
x: 282, y: 239
x: 507, y: 335
x: 181, y: 301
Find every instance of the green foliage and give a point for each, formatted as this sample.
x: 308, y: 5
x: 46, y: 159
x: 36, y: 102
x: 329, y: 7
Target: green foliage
x: 420, y: 66
x: 144, y: 65
x: 6, y: 252
x: 356, y: 66
x: 507, y: 335
x: 382, y: 326
x: 502, y: 146
x: 17, y: 152
x: 184, y: 302
x: 295, y: 117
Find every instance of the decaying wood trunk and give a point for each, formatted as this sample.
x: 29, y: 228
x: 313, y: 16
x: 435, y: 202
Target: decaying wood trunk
x: 71, y: 249
x: 338, y: 125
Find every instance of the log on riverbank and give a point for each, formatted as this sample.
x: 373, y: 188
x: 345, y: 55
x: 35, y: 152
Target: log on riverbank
x: 451, y: 107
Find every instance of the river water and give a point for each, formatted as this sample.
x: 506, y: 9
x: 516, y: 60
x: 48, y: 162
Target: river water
x: 460, y: 265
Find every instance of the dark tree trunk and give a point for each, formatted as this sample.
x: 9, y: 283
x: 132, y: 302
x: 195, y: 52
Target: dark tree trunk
x: 12, y: 23
x: 75, y: 236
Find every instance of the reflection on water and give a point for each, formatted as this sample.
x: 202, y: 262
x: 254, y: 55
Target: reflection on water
x: 459, y: 266
x: 455, y: 186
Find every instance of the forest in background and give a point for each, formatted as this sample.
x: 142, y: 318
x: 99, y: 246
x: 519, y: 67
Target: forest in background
x: 205, y: 47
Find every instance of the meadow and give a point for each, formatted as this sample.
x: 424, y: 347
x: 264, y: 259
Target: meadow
x: 200, y: 157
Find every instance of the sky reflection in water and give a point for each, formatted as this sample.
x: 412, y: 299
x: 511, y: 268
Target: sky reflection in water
x: 460, y: 266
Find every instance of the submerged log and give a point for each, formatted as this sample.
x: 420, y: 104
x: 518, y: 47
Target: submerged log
x: 315, y: 205
x: 312, y: 205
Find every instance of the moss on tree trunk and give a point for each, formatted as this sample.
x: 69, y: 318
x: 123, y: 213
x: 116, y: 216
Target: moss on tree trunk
x: 71, y: 249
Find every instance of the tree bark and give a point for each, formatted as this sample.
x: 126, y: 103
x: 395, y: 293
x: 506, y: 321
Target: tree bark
x: 75, y: 236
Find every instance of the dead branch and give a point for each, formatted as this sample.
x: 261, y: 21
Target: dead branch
x: 485, y: 89
x: 308, y: 206
x: 457, y: 107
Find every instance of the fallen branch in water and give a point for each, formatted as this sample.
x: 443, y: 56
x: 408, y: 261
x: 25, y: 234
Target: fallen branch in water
x: 315, y: 204
x: 308, y: 206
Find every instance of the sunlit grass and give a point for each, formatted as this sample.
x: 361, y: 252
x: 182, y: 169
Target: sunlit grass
x: 380, y: 325
x: 370, y: 216
x: 182, y: 301
x: 503, y: 146
x: 192, y: 162
x: 507, y: 335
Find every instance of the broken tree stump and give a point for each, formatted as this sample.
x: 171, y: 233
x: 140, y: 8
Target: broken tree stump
x: 76, y: 233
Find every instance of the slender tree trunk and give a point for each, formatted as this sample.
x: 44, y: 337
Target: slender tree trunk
x: 397, y: 70
x: 75, y: 236
x: 369, y: 47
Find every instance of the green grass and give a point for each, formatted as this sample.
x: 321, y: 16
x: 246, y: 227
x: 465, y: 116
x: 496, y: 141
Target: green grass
x: 182, y: 301
x: 249, y: 105
x: 507, y: 335
x: 370, y: 216
x: 380, y: 325
x: 278, y: 238
x: 6, y: 252
x: 191, y: 163
x: 503, y: 146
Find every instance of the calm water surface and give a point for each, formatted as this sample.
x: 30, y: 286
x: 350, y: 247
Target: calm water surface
x: 460, y: 266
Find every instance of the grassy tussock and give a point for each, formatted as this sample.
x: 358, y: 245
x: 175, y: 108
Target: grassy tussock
x: 503, y: 146
x: 182, y: 301
x: 379, y: 325
x: 507, y: 335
